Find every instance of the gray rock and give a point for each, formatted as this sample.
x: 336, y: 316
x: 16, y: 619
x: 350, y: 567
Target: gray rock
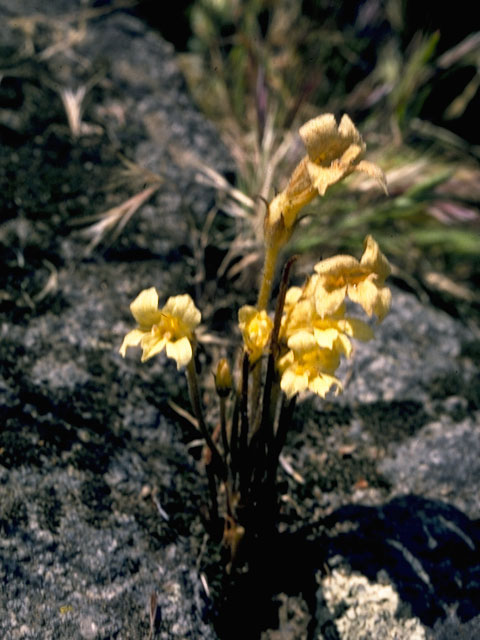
x: 412, y: 346
x: 99, y: 501
x: 90, y: 468
x: 441, y: 462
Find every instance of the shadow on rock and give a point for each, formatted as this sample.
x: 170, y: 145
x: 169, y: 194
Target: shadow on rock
x: 429, y: 549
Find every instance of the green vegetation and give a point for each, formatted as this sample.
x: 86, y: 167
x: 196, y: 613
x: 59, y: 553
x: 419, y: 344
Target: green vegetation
x: 259, y: 68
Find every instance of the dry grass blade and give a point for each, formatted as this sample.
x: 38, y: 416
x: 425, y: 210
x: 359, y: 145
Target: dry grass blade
x: 115, y: 219
x: 183, y: 413
x: 468, y: 45
x: 287, y: 467
x: 212, y: 178
x: 402, y: 178
x: 72, y: 38
x: 444, y: 284
x: 444, y: 136
x: 153, y: 614
x: 51, y: 286
x: 65, y: 36
x: 73, y: 104
x: 239, y: 247
x: 247, y: 261
x: 136, y: 174
x: 205, y: 337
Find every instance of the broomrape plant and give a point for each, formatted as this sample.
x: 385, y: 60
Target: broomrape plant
x: 295, y: 349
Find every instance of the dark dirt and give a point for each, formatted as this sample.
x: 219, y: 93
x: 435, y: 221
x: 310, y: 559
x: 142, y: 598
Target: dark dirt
x: 100, y: 502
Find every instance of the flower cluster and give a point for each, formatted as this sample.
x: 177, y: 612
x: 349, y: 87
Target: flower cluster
x: 314, y: 327
x: 294, y: 350
x: 315, y: 330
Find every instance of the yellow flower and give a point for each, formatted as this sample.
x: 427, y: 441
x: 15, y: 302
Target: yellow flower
x: 309, y: 369
x: 256, y: 328
x: 171, y: 328
x: 298, y: 312
x: 330, y: 332
x: 363, y: 282
x: 333, y: 152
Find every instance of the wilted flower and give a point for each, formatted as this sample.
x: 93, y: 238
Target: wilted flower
x: 363, y: 282
x: 171, y: 328
x: 256, y: 328
x: 333, y: 152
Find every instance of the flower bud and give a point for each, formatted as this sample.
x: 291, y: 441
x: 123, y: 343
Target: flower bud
x: 223, y: 378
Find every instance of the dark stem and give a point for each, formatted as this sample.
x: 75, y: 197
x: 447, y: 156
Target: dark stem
x: 217, y: 462
x: 267, y: 418
x: 244, y: 404
x: 234, y: 436
x: 263, y: 438
x: 243, y: 444
x: 284, y: 422
x: 223, y: 426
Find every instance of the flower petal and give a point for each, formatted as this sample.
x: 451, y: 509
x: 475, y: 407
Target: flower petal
x: 293, y: 295
x: 183, y: 308
x: 145, y: 308
x: 337, y: 265
x: 246, y: 313
x: 382, y: 303
x: 324, y: 338
x: 350, y: 157
x: 285, y: 361
x: 327, y: 302
x: 132, y: 339
x: 344, y: 345
x: 373, y: 299
x: 292, y: 383
x: 180, y: 351
x: 152, y: 343
x: 349, y: 131
x: 318, y: 135
x: 302, y: 341
x: 322, y: 384
x: 324, y: 177
x: 298, y: 317
x: 356, y: 328
x: 374, y: 260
